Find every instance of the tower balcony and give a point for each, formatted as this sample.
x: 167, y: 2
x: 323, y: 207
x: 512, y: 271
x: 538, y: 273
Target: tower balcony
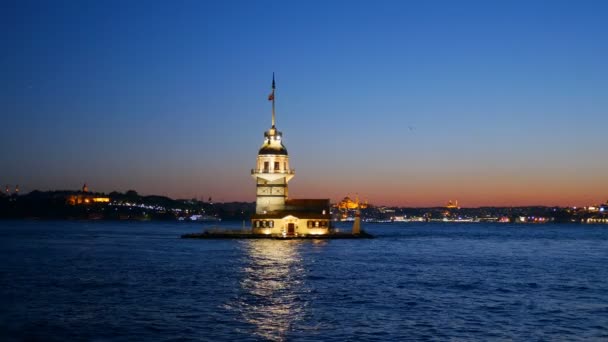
x: 271, y: 171
x: 273, y: 175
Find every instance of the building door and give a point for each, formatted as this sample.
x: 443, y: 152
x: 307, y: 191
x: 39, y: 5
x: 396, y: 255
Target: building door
x: 291, y: 228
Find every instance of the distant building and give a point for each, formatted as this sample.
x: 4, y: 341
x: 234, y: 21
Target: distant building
x: 452, y: 205
x: 349, y: 204
x: 348, y: 208
x: 275, y: 213
x: 84, y: 197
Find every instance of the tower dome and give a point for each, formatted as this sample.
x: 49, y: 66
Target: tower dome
x: 273, y: 143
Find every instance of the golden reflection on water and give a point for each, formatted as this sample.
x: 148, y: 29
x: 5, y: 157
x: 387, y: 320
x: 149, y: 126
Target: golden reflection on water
x: 273, y: 288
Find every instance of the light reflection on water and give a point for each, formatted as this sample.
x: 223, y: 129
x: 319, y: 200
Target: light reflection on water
x: 111, y: 281
x: 273, y: 289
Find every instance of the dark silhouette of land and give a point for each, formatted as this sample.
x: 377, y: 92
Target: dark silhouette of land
x: 116, y: 206
x: 132, y: 206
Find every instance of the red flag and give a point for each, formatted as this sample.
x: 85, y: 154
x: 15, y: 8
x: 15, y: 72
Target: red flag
x: 271, y: 96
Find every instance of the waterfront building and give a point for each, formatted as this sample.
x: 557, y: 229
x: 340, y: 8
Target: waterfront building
x: 275, y: 212
x: 85, y: 197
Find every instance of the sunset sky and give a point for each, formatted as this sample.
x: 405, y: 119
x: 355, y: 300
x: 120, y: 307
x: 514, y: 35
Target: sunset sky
x: 408, y: 103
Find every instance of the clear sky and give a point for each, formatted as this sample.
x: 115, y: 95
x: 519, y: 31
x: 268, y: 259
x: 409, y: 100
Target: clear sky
x: 405, y: 103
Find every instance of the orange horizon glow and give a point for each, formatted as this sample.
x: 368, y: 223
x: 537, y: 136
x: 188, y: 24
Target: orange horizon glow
x: 414, y: 199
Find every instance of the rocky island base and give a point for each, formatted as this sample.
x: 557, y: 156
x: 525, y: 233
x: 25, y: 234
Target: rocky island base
x: 251, y: 235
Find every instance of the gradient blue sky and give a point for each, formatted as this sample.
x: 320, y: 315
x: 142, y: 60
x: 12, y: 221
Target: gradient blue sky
x: 407, y: 103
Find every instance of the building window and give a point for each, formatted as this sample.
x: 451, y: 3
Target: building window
x: 276, y: 166
x: 264, y: 224
x: 266, y: 166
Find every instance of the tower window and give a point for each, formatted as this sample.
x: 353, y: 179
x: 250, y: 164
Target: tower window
x: 266, y: 166
x: 276, y: 166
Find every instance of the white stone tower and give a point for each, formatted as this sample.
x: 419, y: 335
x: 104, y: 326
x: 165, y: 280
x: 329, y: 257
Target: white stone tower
x: 272, y: 170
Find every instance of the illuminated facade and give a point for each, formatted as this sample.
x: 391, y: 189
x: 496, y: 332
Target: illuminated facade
x: 452, y: 205
x: 84, y: 197
x: 349, y: 209
x: 349, y: 204
x: 275, y: 213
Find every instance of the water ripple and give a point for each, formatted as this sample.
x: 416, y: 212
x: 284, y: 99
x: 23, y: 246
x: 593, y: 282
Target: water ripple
x: 116, y: 281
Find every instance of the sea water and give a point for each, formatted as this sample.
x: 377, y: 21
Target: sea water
x: 67, y: 281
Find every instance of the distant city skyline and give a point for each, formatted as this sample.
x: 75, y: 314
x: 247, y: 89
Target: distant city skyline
x: 403, y: 103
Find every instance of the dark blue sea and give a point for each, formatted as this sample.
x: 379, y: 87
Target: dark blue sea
x: 116, y: 281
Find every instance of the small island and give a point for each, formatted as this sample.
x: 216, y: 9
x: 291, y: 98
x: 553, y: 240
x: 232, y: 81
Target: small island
x: 276, y: 215
x: 251, y: 235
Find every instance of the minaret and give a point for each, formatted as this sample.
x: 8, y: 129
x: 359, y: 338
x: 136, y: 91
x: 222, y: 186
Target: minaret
x: 272, y: 170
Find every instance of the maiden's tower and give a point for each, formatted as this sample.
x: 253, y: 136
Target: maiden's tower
x: 275, y: 212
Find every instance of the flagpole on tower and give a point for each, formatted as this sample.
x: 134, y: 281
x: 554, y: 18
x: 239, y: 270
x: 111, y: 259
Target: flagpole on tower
x: 272, y: 98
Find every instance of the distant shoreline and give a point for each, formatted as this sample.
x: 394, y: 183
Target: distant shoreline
x: 239, y: 227
x: 130, y: 206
